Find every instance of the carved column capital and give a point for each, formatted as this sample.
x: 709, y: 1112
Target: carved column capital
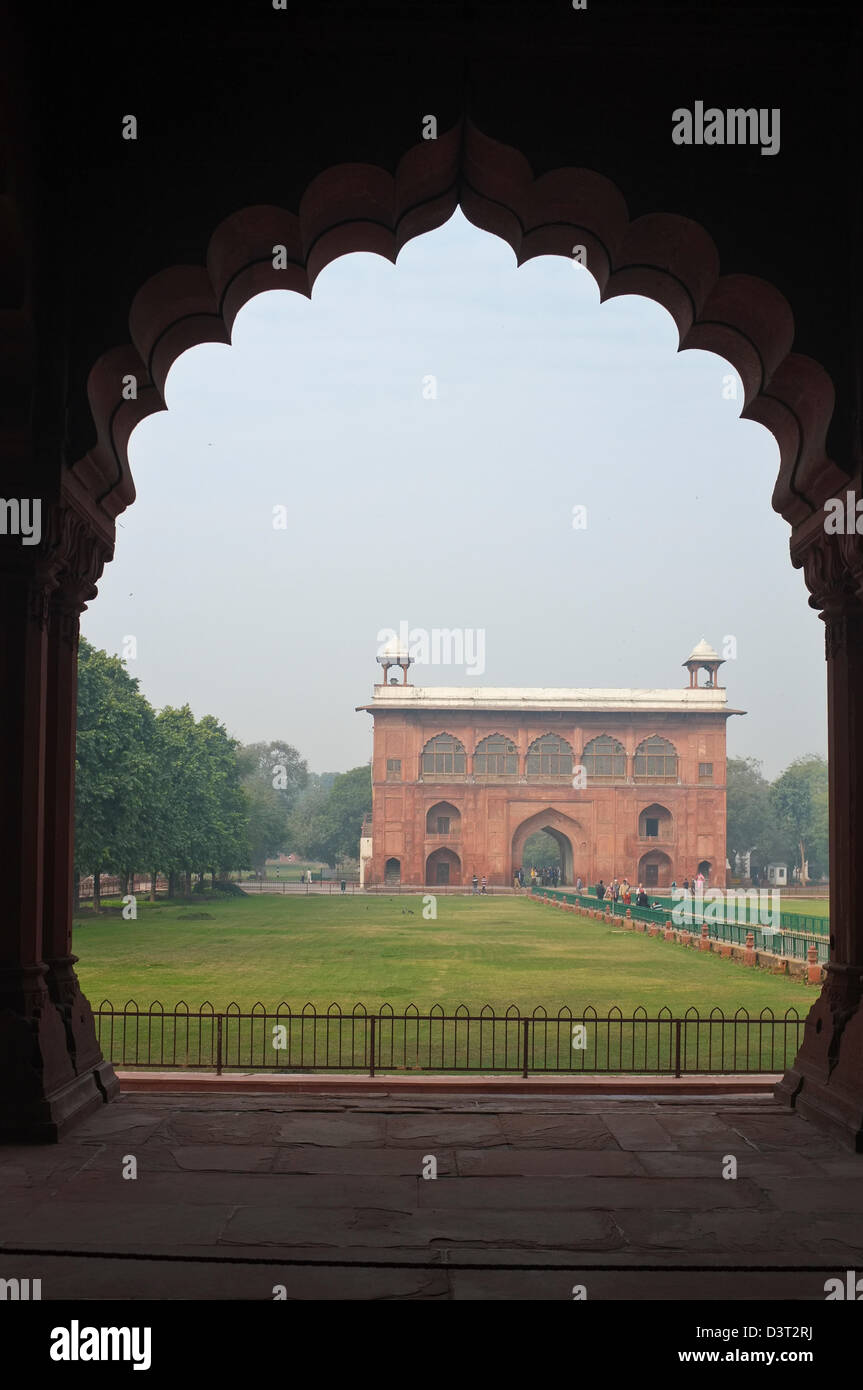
x: 80, y: 555
x: 833, y: 569
x: 825, y: 571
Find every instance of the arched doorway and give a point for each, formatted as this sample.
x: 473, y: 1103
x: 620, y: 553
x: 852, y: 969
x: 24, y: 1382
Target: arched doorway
x: 654, y: 869
x: 368, y: 207
x: 704, y: 868
x: 393, y: 871
x: 569, y: 835
x: 443, y: 868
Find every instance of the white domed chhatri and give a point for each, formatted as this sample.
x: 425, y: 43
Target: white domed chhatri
x: 393, y: 651
x: 703, y: 658
x: 703, y: 651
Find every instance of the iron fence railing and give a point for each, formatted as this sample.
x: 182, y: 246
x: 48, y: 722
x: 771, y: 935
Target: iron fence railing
x: 447, y: 1041
x: 792, y: 938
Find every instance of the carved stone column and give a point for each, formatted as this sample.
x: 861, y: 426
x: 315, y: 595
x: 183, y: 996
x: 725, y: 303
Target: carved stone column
x: 51, y: 1071
x: 39, y: 1089
x: 825, y: 1084
x: 83, y: 557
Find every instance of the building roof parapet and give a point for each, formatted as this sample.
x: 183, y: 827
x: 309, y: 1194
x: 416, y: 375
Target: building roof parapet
x: 550, y: 699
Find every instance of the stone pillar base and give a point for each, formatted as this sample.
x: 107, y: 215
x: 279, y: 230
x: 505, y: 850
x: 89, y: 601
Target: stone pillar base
x: 825, y: 1083
x: 46, y: 1088
x: 44, y: 1119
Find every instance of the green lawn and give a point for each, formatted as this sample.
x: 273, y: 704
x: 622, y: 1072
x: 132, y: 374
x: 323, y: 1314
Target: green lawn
x: 806, y: 907
x: 373, y: 950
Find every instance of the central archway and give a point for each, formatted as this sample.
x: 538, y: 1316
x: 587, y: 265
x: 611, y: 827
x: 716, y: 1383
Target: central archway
x: 354, y: 207
x: 568, y: 833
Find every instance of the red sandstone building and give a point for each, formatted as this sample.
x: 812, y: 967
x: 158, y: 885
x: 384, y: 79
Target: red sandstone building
x: 628, y: 782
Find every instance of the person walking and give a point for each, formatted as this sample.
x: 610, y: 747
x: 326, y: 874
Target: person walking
x: 579, y: 884
x: 475, y: 882
x: 609, y: 896
x: 484, y: 883
x: 600, y: 890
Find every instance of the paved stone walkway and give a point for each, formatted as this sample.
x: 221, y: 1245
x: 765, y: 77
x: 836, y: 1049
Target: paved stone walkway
x: 323, y: 1194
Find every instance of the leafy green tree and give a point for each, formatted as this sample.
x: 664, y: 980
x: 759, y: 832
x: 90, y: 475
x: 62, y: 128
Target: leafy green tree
x: 274, y: 778
x: 799, y: 799
x: 278, y: 766
x: 203, y: 812
x: 541, y: 851
x: 751, y: 823
x: 350, y: 801
x: 220, y: 840
x: 327, y: 825
x: 113, y: 768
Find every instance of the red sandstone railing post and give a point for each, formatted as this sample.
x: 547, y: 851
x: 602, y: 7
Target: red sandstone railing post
x: 704, y: 943
x: 813, y: 969
x: 749, y: 953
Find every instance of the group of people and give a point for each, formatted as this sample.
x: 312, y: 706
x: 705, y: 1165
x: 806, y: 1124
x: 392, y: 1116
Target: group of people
x: 620, y: 890
x: 547, y: 876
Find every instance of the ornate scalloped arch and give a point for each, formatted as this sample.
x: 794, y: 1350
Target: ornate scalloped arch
x: 360, y: 207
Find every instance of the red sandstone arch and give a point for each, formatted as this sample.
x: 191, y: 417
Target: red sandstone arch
x: 360, y: 207
x: 441, y: 859
x: 571, y: 837
x: 658, y: 860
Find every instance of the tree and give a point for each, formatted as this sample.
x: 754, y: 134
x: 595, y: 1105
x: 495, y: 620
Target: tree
x: 266, y: 822
x: 327, y: 825
x: 203, y: 818
x: 350, y: 801
x: 274, y: 777
x: 799, y: 801
x: 279, y: 766
x: 751, y: 826
x: 541, y: 851
x: 113, y: 768
x: 221, y: 830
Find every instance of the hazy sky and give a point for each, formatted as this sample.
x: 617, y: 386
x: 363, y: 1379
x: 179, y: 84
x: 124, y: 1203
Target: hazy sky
x: 454, y: 511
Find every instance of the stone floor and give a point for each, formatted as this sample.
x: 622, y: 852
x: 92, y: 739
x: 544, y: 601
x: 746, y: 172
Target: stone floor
x: 324, y: 1195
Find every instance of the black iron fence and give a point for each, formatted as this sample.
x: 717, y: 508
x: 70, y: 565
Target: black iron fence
x: 440, y: 1041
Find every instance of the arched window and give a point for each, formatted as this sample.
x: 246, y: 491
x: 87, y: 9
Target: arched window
x: 655, y: 823
x: 549, y: 756
x: 443, y: 819
x: 655, y: 760
x: 496, y: 756
x: 443, y: 756
x: 604, y: 759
